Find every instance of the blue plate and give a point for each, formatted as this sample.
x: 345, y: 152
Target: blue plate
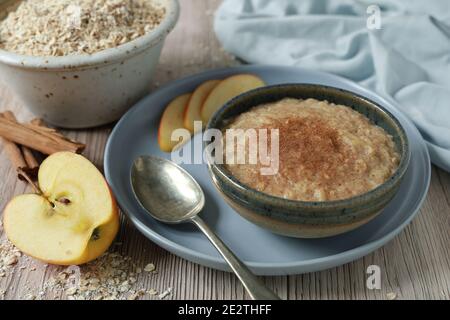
x: 265, y: 253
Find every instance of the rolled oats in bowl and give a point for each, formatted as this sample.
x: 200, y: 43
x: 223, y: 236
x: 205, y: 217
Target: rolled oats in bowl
x: 73, y: 27
x: 82, y: 63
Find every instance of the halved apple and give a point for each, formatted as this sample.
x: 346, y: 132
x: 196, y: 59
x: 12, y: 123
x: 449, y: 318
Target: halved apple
x: 73, y: 221
x: 192, y: 112
x: 227, y: 90
x: 171, y: 120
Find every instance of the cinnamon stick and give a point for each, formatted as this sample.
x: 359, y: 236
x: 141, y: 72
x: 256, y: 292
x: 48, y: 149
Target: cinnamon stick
x: 21, y: 157
x: 32, y: 164
x: 41, y: 124
x: 37, y: 138
x: 30, y: 159
x: 38, y: 122
x: 15, y: 156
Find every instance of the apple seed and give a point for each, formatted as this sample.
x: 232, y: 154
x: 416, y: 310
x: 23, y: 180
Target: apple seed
x: 64, y: 201
x: 95, y: 234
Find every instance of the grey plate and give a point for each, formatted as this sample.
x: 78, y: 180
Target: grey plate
x: 264, y: 252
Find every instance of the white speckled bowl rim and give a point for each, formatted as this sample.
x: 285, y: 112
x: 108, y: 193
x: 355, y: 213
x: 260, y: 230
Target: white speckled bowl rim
x: 103, y: 57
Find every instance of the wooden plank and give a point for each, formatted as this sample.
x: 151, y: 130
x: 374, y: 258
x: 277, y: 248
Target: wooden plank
x: 415, y: 265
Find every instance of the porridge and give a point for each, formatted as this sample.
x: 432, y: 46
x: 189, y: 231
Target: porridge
x: 326, y: 151
x: 67, y: 27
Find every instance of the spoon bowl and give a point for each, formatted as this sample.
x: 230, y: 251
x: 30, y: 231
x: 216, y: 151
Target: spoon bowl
x: 166, y: 190
x: 171, y: 195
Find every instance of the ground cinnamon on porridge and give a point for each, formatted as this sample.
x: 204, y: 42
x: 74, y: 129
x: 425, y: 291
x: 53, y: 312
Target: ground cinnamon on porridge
x: 326, y: 151
x: 67, y: 27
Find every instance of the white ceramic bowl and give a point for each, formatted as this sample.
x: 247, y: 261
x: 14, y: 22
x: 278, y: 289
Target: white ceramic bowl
x: 80, y: 91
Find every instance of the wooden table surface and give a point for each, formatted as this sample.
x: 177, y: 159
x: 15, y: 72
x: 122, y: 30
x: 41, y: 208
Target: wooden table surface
x: 415, y: 265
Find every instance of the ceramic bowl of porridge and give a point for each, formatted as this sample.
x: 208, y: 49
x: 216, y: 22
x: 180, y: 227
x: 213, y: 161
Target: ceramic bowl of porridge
x: 306, y: 160
x: 82, y: 63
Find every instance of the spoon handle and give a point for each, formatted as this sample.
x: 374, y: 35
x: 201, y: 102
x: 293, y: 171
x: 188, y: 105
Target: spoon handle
x: 255, y: 288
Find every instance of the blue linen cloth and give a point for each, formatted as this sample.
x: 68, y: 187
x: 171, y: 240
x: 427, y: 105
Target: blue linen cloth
x: 407, y: 59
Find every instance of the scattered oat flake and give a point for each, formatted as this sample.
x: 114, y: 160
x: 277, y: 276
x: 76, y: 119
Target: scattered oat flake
x: 9, y: 257
x: 30, y: 296
x: 150, y: 267
x: 11, y: 260
x: 391, y: 296
x: 165, y: 293
x: 152, y: 292
x: 136, y: 295
x: 71, y: 291
x: 111, y: 277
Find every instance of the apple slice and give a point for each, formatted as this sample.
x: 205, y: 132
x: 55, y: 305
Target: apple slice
x: 73, y: 221
x: 192, y: 112
x: 227, y: 90
x: 171, y: 120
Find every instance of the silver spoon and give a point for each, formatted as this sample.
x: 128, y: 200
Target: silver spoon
x: 171, y: 195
